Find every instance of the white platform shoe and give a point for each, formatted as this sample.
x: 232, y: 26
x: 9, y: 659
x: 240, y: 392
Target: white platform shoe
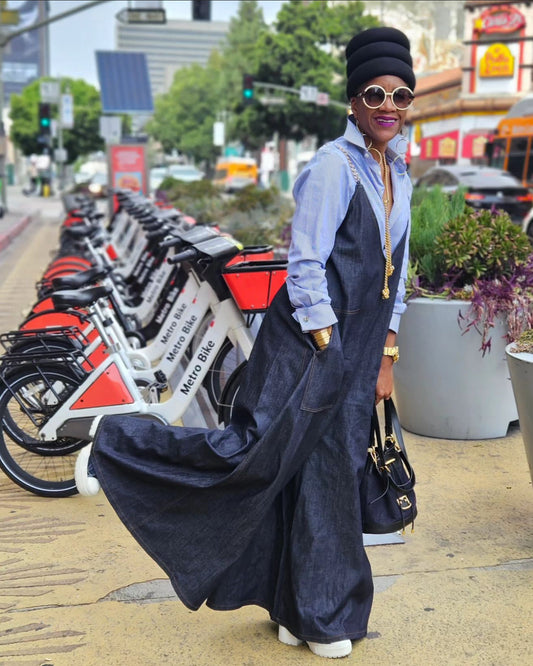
x: 86, y: 484
x: 329, y: 650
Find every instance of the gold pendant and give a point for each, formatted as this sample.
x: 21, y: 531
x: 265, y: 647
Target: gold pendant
x: 385, y: 293
x: 391, y: 271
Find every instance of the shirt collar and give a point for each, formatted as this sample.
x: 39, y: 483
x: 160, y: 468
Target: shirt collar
x: 353, y: 135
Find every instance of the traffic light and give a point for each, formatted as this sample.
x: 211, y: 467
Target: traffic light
x: 201, y: 10
x: 248, y: 88
x: 45, y: 123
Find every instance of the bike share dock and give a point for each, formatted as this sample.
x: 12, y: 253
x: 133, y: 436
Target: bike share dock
x: 75, y: 588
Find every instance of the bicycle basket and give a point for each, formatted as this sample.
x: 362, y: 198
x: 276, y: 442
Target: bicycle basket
x: 253, y: 284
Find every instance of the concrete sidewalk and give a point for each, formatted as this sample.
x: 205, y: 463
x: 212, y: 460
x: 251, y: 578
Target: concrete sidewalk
x: 75, y: 588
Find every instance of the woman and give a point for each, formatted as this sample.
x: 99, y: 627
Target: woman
x: 267, y: 511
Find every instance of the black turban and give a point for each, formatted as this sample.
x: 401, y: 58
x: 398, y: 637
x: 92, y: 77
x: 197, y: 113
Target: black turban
x: 378, y: 52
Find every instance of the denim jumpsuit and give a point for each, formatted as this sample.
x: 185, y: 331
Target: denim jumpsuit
x: 267, y: 511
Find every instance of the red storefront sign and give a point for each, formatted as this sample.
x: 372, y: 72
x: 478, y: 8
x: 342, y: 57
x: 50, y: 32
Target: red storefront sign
x: 474, y: 144
x: 440, y: 146
x: 128, y: 167
x: 500, y: 19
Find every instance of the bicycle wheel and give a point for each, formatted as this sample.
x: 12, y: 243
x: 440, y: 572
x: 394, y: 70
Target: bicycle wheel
x: 229, y: 394
x: 44, y: 344
x: 28, y: 398
x: 228, y: 359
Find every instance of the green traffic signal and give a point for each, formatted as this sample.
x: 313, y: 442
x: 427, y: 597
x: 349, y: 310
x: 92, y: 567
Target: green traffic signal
x: 44, y: 118
x: 248, y: 87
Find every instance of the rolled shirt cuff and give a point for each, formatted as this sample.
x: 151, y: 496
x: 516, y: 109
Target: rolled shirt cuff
x: 315, y: 317
x: 395, y: 322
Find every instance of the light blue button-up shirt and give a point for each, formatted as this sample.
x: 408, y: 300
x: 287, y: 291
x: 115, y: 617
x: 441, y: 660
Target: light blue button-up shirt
x: 322, y: 193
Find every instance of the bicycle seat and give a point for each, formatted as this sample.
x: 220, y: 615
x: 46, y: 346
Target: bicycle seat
x: 80, y: 231
x: 79, y: 299
x: 81, y: 279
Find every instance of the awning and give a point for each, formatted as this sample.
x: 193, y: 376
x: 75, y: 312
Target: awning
x: 474, y: 143
x: 440, y: 146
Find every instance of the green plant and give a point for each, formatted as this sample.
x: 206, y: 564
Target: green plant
x: 430, y: 210
x: 480, y: 245
x: 479, y: 256
x: 524, y: 342
x: 253, y: 216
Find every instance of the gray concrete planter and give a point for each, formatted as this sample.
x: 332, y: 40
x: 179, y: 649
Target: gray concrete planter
x: 521, y: 370
x: 444, y: 387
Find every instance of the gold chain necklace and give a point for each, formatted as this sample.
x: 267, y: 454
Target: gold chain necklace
x: 389, y: 268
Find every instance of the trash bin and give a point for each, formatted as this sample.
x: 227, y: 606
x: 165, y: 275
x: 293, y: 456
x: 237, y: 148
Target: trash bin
x: 10, y: 174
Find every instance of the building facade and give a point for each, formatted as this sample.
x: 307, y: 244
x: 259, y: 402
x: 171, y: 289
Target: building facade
x: 26, y: 58
x: 456, y: 115
x: 171, y: 46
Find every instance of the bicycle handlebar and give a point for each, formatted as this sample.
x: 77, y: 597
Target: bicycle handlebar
x: 170, y: 242
x: 189, y: 253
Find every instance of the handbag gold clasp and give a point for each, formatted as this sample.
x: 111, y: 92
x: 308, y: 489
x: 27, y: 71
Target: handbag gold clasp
x: 404, y: 503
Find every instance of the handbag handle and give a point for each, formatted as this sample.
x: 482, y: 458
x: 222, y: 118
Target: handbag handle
x: 392, y: 424
x: 393, y: 433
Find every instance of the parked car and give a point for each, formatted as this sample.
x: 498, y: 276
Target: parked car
x: 95, y: 185
x: 486, y: 187
x: 185, y: 172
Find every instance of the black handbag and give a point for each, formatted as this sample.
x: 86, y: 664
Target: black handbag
x: 388, y: 500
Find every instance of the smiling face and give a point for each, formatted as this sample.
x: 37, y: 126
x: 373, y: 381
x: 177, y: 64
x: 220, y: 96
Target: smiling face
x: 382, y: 124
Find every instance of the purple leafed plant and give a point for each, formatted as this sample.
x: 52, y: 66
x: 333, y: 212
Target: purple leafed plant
x: 480, y: 257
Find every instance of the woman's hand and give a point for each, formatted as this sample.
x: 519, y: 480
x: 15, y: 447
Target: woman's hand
x: 385, y: 383
x: 321, y: 337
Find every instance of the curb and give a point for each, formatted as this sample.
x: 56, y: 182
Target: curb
x: 6, y: 239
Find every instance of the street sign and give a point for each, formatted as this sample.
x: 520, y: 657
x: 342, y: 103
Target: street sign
x: 50, y: 91
x: 218, y: 133
x: 308, y: 93
x: 67, y: 111
x: 110, y: 128
x: 133, y: 16
x: 322, y: 99
x: 60, y: 155
x: 266, y: 101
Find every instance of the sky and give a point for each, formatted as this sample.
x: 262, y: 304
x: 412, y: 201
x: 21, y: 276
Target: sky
x: 74, y: 40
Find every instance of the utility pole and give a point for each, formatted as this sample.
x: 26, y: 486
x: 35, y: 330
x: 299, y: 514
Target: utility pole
x: 5, y: 37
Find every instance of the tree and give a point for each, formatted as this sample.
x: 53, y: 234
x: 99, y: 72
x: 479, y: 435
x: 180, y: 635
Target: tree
x: 82, y: 139
x: 183, y: 118
x: 306, y: 48
x: 199, y: 96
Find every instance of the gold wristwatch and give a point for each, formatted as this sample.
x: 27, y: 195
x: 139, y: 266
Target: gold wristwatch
x: 393, y: 352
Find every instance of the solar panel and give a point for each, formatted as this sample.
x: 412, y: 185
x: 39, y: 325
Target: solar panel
x: 124, y: 82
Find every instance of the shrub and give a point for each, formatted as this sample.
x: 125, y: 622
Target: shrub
x: 480, y: 256
x: 430, y: 210
x: 252, y: 215
x: 524, y: 342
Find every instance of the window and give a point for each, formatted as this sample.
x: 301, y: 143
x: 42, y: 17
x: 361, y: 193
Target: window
x: 517, y: 156
x: 529, y: 171
x: 497, y: 154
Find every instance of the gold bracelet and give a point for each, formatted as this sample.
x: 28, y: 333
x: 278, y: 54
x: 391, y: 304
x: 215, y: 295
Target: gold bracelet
x: 321, y: 339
